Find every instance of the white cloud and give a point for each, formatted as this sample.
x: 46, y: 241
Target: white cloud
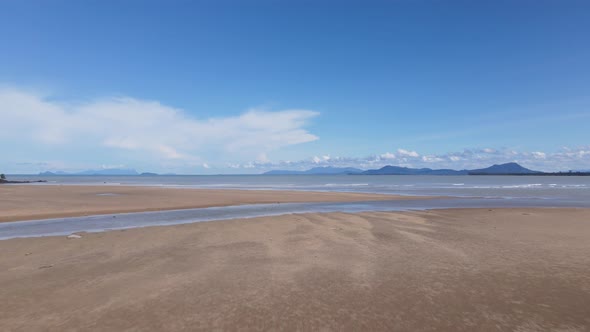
x: 432, y: 159
x: 321, y: 159
x: 101, y: 131
x: 563, y: 160
x: 113, y: 166
x: 387, y: 156
x: 262, y: 158
x: 148, y: 128
x: 167, y: 152
x: 407, y: 153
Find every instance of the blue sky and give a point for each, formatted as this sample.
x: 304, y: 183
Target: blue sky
x: 243, y: 87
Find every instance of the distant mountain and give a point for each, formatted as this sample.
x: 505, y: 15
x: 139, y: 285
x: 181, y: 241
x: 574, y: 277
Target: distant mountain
x: 396, y: 170
x: 508, y: 168
x: 318, y: 171
x: 108, y: 171
x: 53, y: 173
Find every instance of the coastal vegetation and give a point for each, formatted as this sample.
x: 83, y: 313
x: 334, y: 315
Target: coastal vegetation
x: 3, y: 179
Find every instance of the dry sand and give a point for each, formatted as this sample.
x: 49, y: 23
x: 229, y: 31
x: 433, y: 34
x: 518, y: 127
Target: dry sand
x: 446, y: 270
x: 25, y: 202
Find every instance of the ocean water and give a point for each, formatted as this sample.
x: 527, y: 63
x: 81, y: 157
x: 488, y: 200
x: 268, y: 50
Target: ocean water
x: 460, y: 191
x: 576, y: 188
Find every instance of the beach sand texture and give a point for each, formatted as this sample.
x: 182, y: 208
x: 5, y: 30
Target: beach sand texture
x: 25, y: 202
x: 444, y: 270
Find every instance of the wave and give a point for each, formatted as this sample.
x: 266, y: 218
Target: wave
x: 346, y: 184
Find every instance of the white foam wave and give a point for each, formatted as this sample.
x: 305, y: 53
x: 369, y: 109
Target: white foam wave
x: 346, y: 184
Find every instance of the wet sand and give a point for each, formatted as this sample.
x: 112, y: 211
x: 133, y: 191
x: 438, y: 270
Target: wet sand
x: 443, y: 270
x: 27, y: 202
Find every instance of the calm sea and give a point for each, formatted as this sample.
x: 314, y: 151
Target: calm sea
x: 540, y: 187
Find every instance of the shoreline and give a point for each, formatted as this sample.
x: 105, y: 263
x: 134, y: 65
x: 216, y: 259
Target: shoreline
x: 166, y: 223
x: 445, y: 270
x: 26, y: 202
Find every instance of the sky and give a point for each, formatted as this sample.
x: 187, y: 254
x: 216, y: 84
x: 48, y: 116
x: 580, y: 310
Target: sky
x: 210, y: 87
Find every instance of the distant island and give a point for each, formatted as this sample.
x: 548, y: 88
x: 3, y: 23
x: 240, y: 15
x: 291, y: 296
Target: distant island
x: 106, y: 171
x: 502, y: 169
x: 511, y: 168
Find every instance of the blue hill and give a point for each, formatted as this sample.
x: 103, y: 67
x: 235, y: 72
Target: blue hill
x: 503, y: 169
x: 508, y: 168
x: 109, y: 171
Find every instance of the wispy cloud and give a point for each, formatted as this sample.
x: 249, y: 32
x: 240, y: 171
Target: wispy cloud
x: 148, y: 128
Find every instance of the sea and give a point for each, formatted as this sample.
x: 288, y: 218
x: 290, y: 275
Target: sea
x: 454, y: 191
x: 575, y: 188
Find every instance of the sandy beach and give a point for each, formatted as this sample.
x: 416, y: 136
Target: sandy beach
x: 442, y: 270
x: 26, y: 202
